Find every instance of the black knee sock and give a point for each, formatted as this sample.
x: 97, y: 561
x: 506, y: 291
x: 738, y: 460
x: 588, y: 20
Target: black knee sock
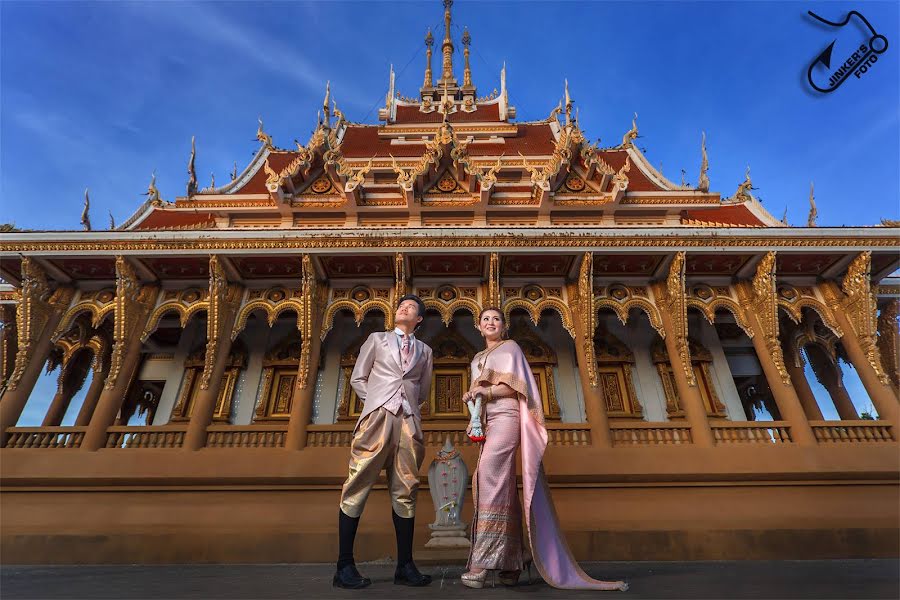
x: 404, y: 528
x: 346, y: 534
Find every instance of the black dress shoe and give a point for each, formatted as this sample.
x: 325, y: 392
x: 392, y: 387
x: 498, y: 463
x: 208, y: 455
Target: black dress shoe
x: 409, y: 575
x: 348, y: 577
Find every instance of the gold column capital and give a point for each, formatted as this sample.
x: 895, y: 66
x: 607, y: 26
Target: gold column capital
x: 860, y: 307
x: 760, y: 295
x: 224, y: 300
x: 588, y: 314
x: 671, y: 296
x: 133, y: 302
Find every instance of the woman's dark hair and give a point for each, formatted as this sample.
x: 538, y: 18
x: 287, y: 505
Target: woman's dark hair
x: 495, y: 309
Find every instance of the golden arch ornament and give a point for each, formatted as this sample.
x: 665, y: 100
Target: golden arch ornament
x: 621, y: 299
x: 370, y: 299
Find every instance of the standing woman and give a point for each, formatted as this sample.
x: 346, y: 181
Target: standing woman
x: 514, y: 416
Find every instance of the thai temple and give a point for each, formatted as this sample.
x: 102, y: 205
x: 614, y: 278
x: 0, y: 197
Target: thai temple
x: 202, y: 349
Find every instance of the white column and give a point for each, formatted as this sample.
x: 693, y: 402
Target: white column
x: 176, y: 371
x: 257, y: 338
x: 721, y: 373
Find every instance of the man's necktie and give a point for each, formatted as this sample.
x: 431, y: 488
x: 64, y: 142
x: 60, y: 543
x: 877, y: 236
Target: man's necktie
x: 404, y: 353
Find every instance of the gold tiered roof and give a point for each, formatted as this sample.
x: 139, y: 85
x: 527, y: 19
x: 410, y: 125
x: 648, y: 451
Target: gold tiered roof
x: 451, y: 157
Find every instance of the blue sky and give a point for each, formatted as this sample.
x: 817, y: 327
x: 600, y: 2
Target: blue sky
x: 100, y: 94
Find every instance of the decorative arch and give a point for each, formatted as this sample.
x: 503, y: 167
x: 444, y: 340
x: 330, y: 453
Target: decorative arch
x: 272, y: 303
x: 708, y: 300
x: 98, y: 304
x: 447, y: 299
x: 186, y: 303
x: 535, y: 299
x: 621, y: 299
x: 359, y: 301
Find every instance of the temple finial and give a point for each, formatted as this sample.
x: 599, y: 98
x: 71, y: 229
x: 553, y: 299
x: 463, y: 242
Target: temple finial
x: 234, y: 171
x: 85, y: 216
x: 429, y: 42
x: 703, y: 182
x: 212, y: 181
x: 112, y: 221
x: 326, y: 104
x: 568, y: 104
x: 813, y: 212
x: 447, y: 46
x: 390, y: 95
x: 192, y: 171
x: 631, y: 134
x: 152, y: 192
x: 784, y: 220
x: 504, y: 98
x: 467, y: 72
x: 262, y: 136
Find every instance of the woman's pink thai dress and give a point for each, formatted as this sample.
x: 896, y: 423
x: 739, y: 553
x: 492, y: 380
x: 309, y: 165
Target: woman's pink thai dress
x: 497, y: 526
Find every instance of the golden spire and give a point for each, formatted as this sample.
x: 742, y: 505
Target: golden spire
x: 813, y: 213
x: 631, y: 134
x: 467, y: 72
x: 703, y: 183
x: 429, y: 42
x: 152, y: 192
x: 447, y: 46
x: 192, y: 171
x: 390, y: 95
x: 262, y: 136
x: 85, y: 217
x: 326, y: 108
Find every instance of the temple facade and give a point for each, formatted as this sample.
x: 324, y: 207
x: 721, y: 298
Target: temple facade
x: 202, y: 350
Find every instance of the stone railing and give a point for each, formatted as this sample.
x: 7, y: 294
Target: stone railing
x: 568, y: 434
x: 751, y: 432
x: 154, y: 436
x: 329, y: 436
x: 247, y: 436
x: 650, y: 434
x: 45, y: 437
x: 852, y: 432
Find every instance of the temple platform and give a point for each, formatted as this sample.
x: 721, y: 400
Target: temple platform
x: 870, y: 578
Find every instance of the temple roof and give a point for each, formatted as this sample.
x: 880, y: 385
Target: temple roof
x: 449, y: 154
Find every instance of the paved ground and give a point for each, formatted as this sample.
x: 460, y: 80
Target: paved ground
x: 748, y: 579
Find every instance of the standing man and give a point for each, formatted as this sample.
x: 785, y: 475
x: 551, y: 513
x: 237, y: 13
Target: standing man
x: 392, y: 377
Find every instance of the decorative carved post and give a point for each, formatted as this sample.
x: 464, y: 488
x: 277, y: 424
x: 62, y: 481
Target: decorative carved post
x: 8, y: 343
x: 224, y: 300
x: 93, y: 393
x: 794, y: 364
x: 670, y: 297
x: 38, y: 312
x: 72, y: 374
x: 828, y: 373
x: 310, y: 333
x: 889, y: 341
x: 585, y: 326
x: 133, y: 305
x: 759, y: 298
x: 493, y: 296
x: 855, y: 312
